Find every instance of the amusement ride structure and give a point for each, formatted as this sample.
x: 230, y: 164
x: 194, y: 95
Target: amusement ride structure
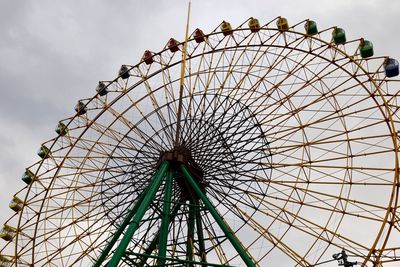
x: 260, y: 145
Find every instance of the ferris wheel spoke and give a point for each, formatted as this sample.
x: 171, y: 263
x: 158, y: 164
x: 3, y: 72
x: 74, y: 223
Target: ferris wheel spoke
x: 332, y: 140
x: 154, y: 102
x: 141, y: 134
x: 299, y: 66
x: 323, y: 152
x: 235, y: 243
x: 330, y: 206
x: 335, y: 133
x: 156, y: 239
x: 274, y: 240
x: 215, y: 240
x: 308, y: 227
x: 289, y: 134
x: 217, y: 246
x: 196, y: 122
x: 321, y: 197
x: 320, y: 98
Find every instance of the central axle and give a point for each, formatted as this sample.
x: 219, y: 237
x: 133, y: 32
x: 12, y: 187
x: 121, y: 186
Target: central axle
x: 181, y: 155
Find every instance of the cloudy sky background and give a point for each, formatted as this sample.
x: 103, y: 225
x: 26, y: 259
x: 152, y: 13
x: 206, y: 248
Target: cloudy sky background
x: 53, y: 52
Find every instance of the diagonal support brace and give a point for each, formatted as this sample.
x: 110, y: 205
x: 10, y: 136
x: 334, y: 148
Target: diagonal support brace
x: 121, y: 229
x: 222, y: 224
x: 139, y: 211
x: 162, y: 250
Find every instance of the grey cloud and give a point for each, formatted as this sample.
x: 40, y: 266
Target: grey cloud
x: 52, y: 53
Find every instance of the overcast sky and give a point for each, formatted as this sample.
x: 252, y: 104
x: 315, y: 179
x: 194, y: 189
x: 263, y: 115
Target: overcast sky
x: 52, y: 53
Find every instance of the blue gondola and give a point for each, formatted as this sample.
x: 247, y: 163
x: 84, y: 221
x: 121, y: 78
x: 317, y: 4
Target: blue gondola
x: 101, y: 89
x: 80, y: 108
x: 391, y: 66
x: 124, y: 72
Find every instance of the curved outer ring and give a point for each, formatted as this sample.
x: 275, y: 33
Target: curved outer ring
x: 392, y: 205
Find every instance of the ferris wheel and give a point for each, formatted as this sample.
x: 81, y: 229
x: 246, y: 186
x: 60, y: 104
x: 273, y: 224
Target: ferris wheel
x: 277, y: 147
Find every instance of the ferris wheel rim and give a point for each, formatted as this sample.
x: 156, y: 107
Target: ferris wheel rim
x: 387, y: 109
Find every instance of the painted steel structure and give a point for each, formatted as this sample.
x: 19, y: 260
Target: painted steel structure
x: 278, y: 147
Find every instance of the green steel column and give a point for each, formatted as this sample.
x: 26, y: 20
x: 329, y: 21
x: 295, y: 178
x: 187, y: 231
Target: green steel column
x: 190, y: 236
x: 162, y: 248
x: 177, y: 261
x: 156, y: 239
x: 134, y: 225
x: 200, y: 236
x: 232, y: 238
x: 120, y: 230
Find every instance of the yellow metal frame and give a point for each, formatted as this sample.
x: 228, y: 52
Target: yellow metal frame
x: 225, y: 66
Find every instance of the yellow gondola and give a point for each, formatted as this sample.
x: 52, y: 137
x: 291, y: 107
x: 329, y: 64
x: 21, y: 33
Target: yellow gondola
x: 282, y: 24
x: 16, y: 204
x: 254, y: 25
x: 5, y: 261
x: 226, y: 28
x: 8, y: 232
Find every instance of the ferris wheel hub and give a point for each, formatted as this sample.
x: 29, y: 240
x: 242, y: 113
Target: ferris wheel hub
x: 181, y: 155
x: 276, y: 145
